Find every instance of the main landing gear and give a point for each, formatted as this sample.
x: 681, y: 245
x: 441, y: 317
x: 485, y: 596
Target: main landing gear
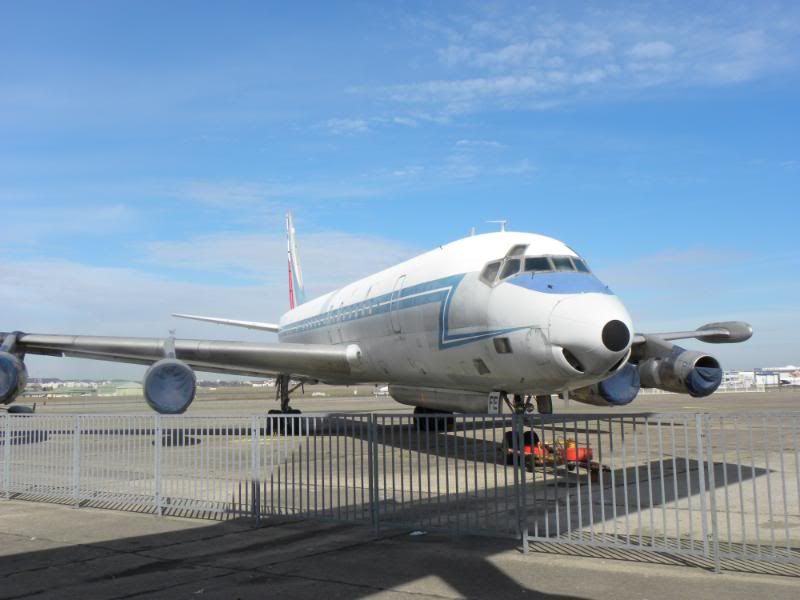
x: 522, y: 405
x: 285, y: 425
x: 282, y: 391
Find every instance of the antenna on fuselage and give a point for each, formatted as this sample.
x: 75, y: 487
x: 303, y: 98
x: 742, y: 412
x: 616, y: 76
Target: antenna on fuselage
x: 503, y: 223
x: 472, y: 232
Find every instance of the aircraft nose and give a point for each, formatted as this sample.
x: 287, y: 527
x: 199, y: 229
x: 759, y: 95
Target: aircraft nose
x: 616, y: 335
x: 590, y: 333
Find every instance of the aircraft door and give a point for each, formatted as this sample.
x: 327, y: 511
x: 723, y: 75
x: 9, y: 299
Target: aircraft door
x: 394, y: 317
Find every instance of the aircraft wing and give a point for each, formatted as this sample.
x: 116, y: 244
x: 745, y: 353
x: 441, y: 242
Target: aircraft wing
x: 271, y: 327
x: 302, y: 361
x: 727, y: 332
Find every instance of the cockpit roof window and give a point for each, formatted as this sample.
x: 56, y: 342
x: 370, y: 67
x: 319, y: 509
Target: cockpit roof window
x: 517, y: 250
x: 538, y: 263
x: 510, y: 267
x: 563, y: 263
x: 490, y: 272
x: 580, y: 265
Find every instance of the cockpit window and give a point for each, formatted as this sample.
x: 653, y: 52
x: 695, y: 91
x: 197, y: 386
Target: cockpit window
x: 580, y: 265
x: 563, y: 263
x: 511, y: 267
x: 537, y: 263
x: 490, y: 271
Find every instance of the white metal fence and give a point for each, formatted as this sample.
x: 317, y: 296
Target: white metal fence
x: 713, y: 486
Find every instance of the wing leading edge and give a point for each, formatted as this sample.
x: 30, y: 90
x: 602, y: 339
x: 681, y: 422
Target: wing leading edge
x: 303, y: 361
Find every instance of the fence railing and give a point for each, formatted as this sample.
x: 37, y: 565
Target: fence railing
x: 714, y: 486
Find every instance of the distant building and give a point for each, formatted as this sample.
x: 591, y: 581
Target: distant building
x: 120, y: 388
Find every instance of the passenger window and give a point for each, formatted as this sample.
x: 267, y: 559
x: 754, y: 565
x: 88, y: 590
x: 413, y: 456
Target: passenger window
x: 563, y: 263
x: 580, y: 265
x: 538, y: 263
x: 511, y: 267
x: 490, y: 272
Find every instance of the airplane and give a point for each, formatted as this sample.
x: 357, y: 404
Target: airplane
x: 508, y: 315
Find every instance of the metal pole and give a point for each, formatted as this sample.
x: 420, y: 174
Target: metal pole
x: 76, y: 461
x: 372, y: 457
x: 255, y: 483
x: 157, y: 441
x: 517, y: 450
x: 7, y: 456
x: 701, y: 465
x: 522, y: 515
x: 713, y: 493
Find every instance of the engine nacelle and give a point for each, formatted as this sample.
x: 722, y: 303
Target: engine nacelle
x: 683, y: 371
x: 169, y: 386
x: 13, y: 377
x: 619, y: 389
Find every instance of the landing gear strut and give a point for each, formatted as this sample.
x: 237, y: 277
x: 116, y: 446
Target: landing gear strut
x: 519, y: 405
x: 282, y: 392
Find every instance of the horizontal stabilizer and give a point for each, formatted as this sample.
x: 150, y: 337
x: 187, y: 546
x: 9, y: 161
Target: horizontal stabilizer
x: 272, y: 327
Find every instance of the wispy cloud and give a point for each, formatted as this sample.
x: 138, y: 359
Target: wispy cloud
x: 234, y: 193
x: 507, y: 56
x: 346, y: 126
x: 329, y: 259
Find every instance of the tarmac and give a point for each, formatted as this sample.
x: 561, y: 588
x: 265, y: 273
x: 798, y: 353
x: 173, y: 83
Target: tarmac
x: 359, y: 399
x: 51, y: 551
x: 55, y: 551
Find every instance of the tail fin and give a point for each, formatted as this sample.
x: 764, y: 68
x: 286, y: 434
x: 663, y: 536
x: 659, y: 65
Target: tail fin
x: 297, y: 293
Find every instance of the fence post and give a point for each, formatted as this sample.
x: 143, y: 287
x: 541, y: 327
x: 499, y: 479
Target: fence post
x: 712, y: 486
x: 699, y: 425
x: 7, y: 456
x: 76, y: 461
x: 372, y: 461
x: 255, y: 463
x: 518, y: 452
x: 157, y: 441
x: 523, y: 514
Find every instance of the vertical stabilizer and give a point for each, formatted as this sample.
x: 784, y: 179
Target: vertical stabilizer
x: 296, y: 291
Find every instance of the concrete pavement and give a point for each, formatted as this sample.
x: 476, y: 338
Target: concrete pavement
x: 51, y: 551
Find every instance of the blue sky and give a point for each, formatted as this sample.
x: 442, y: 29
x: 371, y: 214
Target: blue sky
x: 148, y: 151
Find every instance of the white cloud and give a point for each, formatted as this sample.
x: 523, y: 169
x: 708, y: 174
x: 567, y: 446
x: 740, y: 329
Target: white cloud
x: 230, y: 193
x: 652, y: 50
x: 347, y: 126
x: 31, y: 225
x: 504, y: 57
x: 479, y: 144
x: 329, y: 259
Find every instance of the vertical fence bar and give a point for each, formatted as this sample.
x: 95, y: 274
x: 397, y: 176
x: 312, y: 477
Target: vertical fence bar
x: 76, y: 461
x: 255, y: 465
x: 157, y: 440
x: 712, y: 492
x: 372, y: 457
x: 699, y: 425
x: 7, y: 456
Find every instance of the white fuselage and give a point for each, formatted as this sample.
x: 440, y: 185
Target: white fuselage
x: 435, y: 322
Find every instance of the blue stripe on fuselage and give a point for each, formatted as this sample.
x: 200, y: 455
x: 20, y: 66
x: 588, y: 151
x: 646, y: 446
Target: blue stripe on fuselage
x: 429, y: 292
x: 560, y: 282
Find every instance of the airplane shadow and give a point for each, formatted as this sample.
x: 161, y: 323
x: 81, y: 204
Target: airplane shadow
x: 238, y: 559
